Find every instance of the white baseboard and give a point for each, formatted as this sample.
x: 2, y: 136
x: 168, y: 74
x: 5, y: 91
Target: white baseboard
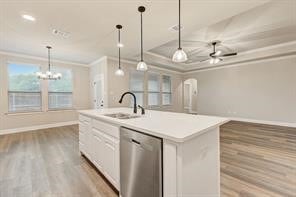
x: 37, y: 127
x: 284, y: 124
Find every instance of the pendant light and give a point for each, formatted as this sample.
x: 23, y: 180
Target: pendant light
x: 142, y: 66
x: 48, y: 75
x: 180, y: 55
x: 119, y: 71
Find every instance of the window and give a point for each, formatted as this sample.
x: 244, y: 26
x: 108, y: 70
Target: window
x: 166, y: 90
x: 153, y: 89
x: 60, y: 91
x: 24, y: 92
x: 137, y: 86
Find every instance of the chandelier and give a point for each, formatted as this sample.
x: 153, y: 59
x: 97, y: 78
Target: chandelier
x: 49, y: 75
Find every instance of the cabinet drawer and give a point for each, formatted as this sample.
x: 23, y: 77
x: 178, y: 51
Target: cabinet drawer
x: 84, y: 119
x: 106, y: 128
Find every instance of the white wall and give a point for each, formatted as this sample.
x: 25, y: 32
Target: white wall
x: 116, y: 85
x: 81, y: 99
x: 264, y: 90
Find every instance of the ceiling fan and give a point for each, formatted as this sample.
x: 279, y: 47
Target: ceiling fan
x: 216, y: 56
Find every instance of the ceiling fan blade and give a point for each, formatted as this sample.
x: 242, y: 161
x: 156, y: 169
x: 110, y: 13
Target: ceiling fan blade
x: 204, y: 60
x: 228, y: 54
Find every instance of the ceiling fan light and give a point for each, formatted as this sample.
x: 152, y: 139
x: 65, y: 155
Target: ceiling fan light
x: 216, y: 60
x: 180, y: 56
x: 218, y: 52
x: 142, y: 66
x: 119, y: 72
x: 212, y: 61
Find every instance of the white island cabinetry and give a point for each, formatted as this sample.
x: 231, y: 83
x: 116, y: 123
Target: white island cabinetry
x: 101, y: 146
x: 191, y: 155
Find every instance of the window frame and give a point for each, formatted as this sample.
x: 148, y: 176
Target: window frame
x: 61, y: 92
x: 154, y: 92
x: 165, y: 92
x: 40, y: 92
x: 137, y: 91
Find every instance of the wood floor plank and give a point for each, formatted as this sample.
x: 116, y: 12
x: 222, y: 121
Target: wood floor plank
x: 256, y: 161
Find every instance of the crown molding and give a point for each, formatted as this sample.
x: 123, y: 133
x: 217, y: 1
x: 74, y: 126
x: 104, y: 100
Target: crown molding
x: 98, y: 61
x: 243, y: 63
x: 40, y: 58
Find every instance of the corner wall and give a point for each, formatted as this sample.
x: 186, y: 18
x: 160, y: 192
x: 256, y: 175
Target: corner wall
x: 258, y: 91
x: 116, y: 85
x: 81, y: 99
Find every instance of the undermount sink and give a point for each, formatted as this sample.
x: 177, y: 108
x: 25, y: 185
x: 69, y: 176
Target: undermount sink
x: 122, y: 115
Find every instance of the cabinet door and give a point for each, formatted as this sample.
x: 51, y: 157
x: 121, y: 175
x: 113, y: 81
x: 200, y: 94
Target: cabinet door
x: 88, y: 141
x: 111, y: 159
x: 98, y: 149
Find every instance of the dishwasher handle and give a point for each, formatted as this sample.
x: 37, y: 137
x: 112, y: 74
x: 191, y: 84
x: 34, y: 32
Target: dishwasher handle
x: 135, y: 141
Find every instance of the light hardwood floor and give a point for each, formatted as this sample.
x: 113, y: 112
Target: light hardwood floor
x: 256, y: 161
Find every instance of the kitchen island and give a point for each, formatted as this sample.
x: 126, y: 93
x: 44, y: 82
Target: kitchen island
x: 190, y: 148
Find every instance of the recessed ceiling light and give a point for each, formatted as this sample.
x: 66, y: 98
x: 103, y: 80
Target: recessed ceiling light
x: 28, y: 17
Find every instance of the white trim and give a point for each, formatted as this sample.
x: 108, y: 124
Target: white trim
x: 40, y: 58
x: 236, y: 64
x: 268, y: 122
x: 37, y: 127
x: 98, y: 61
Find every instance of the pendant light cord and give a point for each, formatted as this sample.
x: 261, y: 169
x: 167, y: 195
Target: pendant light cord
x: 179, y: 24
x: 141, y: 36
x: 119, y: 63
x: 48, y: 58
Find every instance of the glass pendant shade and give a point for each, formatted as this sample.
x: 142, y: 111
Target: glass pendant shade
x: 180, y: 56
x: 119, y: 72
x: 142, y: 66
x: 120, y: 45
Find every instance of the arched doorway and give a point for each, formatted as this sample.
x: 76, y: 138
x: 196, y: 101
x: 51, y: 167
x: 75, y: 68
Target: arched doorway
x: 190, y: 96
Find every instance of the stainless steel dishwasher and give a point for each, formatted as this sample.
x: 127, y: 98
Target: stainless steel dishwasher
x: 140, y: 164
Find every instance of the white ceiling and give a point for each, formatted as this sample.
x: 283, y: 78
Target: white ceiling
x: 91, y: 24
x: 261, y: 27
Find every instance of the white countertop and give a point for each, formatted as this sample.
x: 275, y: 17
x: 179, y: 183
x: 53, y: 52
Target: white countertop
x: 177, y: 127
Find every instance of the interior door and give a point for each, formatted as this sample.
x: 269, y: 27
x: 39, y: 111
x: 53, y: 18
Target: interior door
x: 98, y: 87
x: 187, y: 97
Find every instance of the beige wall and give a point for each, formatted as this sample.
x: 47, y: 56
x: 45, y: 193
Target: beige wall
x: 116, y: 85
x: 261, y: 91
x: 81, y: 99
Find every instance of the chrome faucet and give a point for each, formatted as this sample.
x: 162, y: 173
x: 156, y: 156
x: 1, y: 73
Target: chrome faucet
x: 135, y: 100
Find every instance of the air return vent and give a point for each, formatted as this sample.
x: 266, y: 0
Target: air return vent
x: 60, y: 33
